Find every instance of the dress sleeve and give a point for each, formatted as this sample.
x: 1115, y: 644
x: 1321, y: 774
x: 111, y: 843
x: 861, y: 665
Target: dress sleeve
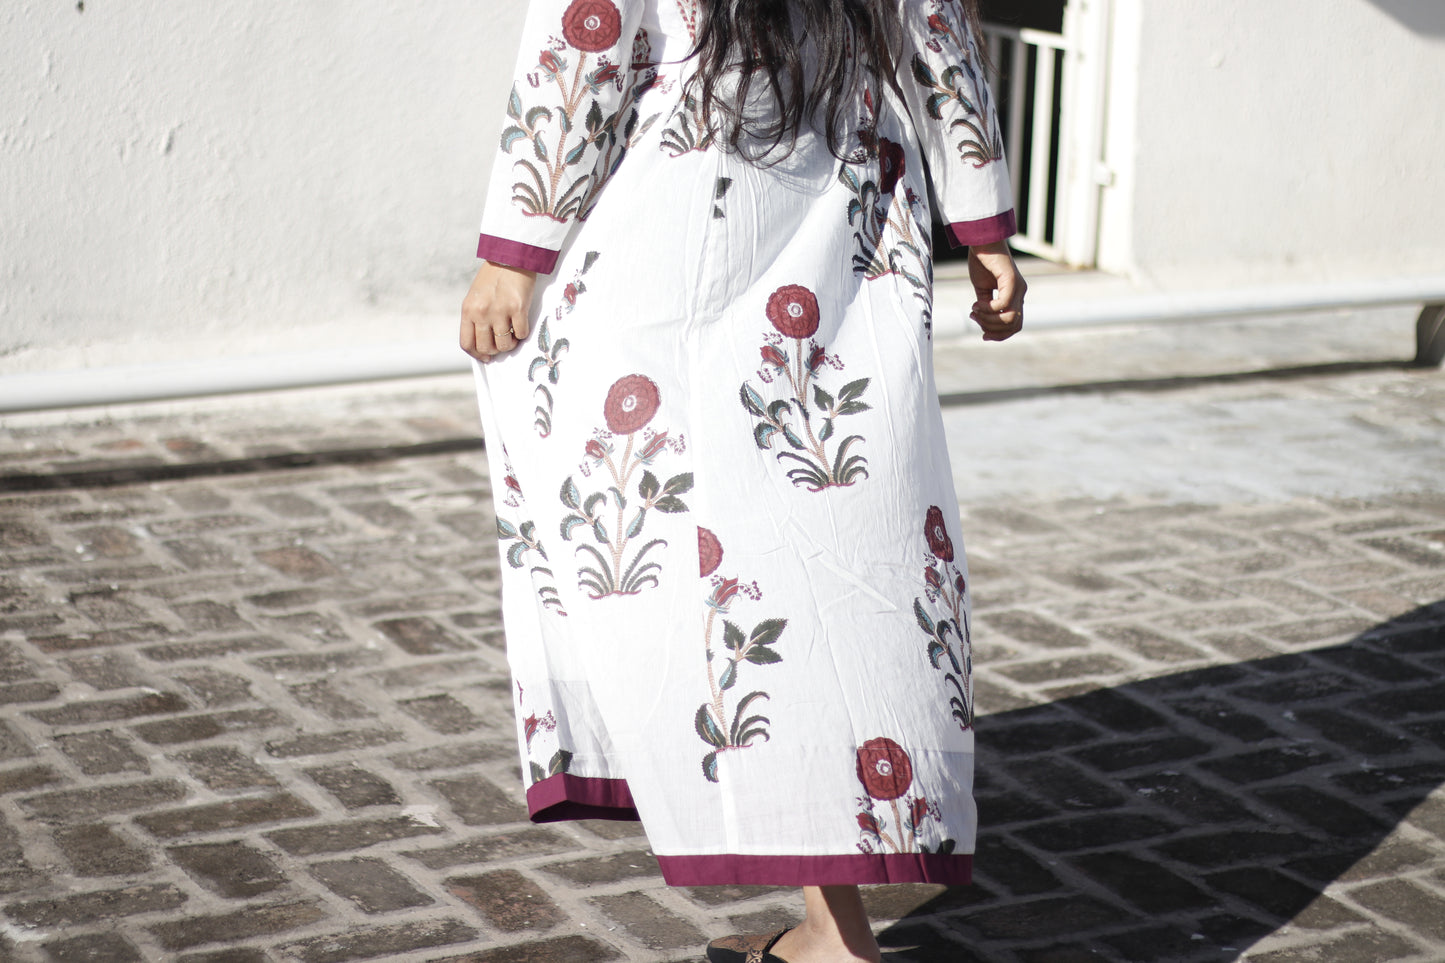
x: 561, y: 118
x: 942, y: 76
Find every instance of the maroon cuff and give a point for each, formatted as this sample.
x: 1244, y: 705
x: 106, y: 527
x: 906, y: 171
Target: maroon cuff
x: 983, y: 231
x: 516, y: 254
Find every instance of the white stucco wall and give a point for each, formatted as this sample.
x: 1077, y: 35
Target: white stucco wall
x: 184, y: 180
x: 1284, y: 140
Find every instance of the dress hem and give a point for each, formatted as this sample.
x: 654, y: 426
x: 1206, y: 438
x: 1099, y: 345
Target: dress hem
x: 732, y: 869
x: 565, y: 796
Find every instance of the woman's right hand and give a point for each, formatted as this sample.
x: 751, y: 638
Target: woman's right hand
x: 494, y: 312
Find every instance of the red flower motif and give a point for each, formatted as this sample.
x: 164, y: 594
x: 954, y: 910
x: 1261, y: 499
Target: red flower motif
x: 920, y: 809
x: 595, y: 450
x: 513, y: 484
x: 884, y: 769
x: 931, y: 576
x: 815, y: 360
x: 774, y: 357
x: 709, y: 553
x: 569, y: 294
x: 725, y: 591
x: 959, y: 583
x: 631, y: 403
x: 530, y: 725
x: 868, y: 824
x: 592, y: 25
x: 550, y: 63
x: 890, y: 164
x: 933, y: 529
x: 937, y: 24
x: 605, y: 75
x: 793, y: 309
x: 650, y: 450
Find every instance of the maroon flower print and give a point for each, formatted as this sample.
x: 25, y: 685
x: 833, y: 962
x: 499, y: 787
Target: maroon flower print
x: 592, y: 25
x: 774, y: 357
x: 606, y: 75
x: 630, y: 404
x: 549, y: 62
x: 868, y: 823
x: 938, y: 541
x: 920, y: 809
x: 884, y: 769
x: 793, y: 310
x: 709, y: 552
x: 890, y: 164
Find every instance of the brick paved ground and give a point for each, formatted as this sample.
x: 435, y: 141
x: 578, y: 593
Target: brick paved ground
x: 253, y: 709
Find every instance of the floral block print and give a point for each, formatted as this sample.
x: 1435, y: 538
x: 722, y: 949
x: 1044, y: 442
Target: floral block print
x: 535, y: 729
x: 793, y: 311
x: 886, y: 228
x: 720, y: 731
x: 612, y: 569
x: 628, y: 118
x: 886, y: 772
x: 564, y: 123
x: 950, y: 645
x: 524, y: 540
x: 687, y: 130
x: 548, y: 362
x: 948, y: 100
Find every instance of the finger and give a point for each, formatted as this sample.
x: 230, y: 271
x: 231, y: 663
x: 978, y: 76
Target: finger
x: 1003, y: 334
x: 1007, y: 284
x: 520, y: 327
x: 996, y: 318
x: 503, y: 337
x: 467, y: 338
x: 486, y: 346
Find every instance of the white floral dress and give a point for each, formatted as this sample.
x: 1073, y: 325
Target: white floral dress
x: 734, y: 591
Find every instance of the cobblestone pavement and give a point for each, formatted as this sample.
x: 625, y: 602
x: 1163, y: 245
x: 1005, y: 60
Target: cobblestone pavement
x: 254, y: 702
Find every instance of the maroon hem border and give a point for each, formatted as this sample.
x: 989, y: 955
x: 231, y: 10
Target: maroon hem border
x: 983, y: 231
x: 731, y: 869
x: 565, y: 796
x: 529, y: 257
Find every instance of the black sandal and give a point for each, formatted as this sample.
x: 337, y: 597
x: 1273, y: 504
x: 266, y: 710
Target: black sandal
x: 745, y: 949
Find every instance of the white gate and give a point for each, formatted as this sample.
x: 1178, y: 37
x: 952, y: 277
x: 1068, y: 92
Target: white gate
x: 1051, y: 90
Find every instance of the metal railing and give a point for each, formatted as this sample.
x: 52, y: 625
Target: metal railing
x: 1051, y: 90
x: 1030, y: 66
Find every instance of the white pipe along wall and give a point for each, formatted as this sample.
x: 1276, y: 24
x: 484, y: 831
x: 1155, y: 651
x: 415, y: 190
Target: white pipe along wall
x: 72, y: 389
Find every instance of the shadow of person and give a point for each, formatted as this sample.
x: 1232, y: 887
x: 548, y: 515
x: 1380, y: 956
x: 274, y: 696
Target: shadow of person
x: 1185, y: 817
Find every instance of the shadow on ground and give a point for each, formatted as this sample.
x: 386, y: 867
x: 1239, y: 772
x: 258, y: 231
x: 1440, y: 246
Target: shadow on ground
x: 1185, y: 817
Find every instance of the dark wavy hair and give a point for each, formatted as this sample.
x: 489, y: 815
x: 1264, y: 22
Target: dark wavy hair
x: 756, y: 42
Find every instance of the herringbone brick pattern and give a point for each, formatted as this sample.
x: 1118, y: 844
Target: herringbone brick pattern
x: 257, y: 709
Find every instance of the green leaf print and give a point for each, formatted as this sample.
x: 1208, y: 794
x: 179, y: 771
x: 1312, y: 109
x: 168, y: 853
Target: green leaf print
x: 708, y: 729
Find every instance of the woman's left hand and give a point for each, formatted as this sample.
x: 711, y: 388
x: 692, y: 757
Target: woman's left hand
x: 494, y: 312
x: 999, y: 309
